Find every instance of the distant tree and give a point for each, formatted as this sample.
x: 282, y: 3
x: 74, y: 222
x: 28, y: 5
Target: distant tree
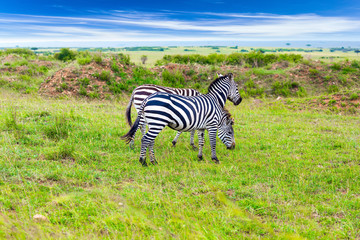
x: 308, y: 45
x: 65, y: 54
x: 143, y: 59
x: 357, y: 51
x: 34, y: 48
x: 287, y: 44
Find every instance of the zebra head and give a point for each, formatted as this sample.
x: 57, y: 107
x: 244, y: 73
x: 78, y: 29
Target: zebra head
x: 226, y: 131
x: 234, y: 95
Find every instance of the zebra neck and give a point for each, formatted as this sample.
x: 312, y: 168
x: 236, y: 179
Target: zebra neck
x: 220, y: 95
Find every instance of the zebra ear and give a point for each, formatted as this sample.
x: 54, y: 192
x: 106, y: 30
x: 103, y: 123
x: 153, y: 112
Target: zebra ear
x: 219, y: 75
x: 232, y: 121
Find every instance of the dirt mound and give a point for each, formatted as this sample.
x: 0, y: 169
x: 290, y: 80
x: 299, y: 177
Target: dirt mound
x: 87, y: 80
x: 280, y: 65
x: 9, y: 58
x: 339, y: 103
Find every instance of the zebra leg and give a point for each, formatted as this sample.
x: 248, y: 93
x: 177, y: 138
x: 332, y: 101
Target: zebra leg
x: 143, y: 129
x: 192, y: 140
x: 201, y: 143
x: 148, y: 141
x: 176, y: 138
x: 152, y: 154
x: 212, y: 138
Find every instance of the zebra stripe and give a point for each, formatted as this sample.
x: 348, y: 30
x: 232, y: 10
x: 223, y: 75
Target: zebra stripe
x: 203, y: 112
x: 142, y: 92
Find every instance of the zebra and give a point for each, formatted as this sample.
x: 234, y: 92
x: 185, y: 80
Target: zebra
x: 188, y: 113
x: 142, y: 92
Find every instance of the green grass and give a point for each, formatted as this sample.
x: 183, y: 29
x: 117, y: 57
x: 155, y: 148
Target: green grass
x: 292, y: 175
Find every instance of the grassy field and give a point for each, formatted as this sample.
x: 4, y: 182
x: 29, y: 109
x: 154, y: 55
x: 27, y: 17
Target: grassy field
x: 292, y: 175
x: 153, y: 56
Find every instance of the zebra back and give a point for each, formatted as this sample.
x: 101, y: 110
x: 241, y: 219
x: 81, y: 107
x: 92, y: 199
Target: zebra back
x: 142, y: 92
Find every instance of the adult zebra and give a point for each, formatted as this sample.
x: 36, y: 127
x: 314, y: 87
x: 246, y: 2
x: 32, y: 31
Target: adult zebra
x: 142, y: 92
x: 187, y: 114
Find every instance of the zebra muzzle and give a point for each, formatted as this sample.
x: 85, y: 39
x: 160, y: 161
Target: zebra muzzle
x: 232, y: 146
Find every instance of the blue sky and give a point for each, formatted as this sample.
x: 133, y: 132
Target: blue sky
x: 116, y: 23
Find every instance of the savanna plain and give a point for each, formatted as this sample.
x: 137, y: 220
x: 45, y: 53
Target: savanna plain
x: 294, y: 173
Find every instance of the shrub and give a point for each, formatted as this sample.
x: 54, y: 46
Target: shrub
x: 125, y: 59
x: 173, y: 79
x: 253, y: 58
x: 115, y: 67
x: 336, y: 66
x: 84, y: 81
x: 347, y: 70
x: 20, y: 51
x: 313, y: 72
x: 82, y: 91
x: 64, y: 86
x: 105, y: 76
x: 287, y: 89
x: 354, y: 96
x: 251, y: 89
x: 84, y: 60
x: 355, y: 64
x: 97, y: 58
x: 65, y: 54
x: 333, y: 89
x: 332, y: 102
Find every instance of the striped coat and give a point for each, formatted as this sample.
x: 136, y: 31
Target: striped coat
x: 204, y: 112
x: 142, y: 92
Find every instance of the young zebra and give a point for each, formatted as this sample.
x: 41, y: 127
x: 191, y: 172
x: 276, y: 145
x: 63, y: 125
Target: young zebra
x: 188, y: 113
x: 142, y: 92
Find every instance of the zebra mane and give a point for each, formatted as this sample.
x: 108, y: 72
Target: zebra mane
x: 227, y: 113
x: 228, y: 116
x: 213, y: 83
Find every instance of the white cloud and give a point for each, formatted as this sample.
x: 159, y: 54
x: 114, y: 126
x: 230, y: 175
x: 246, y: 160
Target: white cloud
x: 175, y: 26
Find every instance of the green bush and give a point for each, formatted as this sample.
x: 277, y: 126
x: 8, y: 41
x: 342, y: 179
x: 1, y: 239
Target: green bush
x: 251, y: 89
x: 97, y: 58
x: 313, y: 72
x: 333, y: 89
x: 105, y: 76
x: 84, y: 81
x: 125, y: 59
x: 20, y: 51
x: 287, y: 89
x: 253, y: 58
x: 115, y: 67
x: 64, y: 86
x: 82, y: 91
x: 173, y: 79
x: 65, y: 54
x: 336, y: 66
x: 355, y: 64
x: 84, y: 60
x: 354, y: 96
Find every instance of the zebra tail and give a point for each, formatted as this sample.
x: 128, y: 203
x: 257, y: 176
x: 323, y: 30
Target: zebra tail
x: 128, y: 110
x: 130, y: 135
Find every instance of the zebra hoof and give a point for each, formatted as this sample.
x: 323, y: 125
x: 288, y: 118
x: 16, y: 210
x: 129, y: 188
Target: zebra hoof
x: 216, y: 161
x: 154, y: 162
x: 200, y: 158
x: 143, y: 162
x: 194, y: 147
x: 173, y: 143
